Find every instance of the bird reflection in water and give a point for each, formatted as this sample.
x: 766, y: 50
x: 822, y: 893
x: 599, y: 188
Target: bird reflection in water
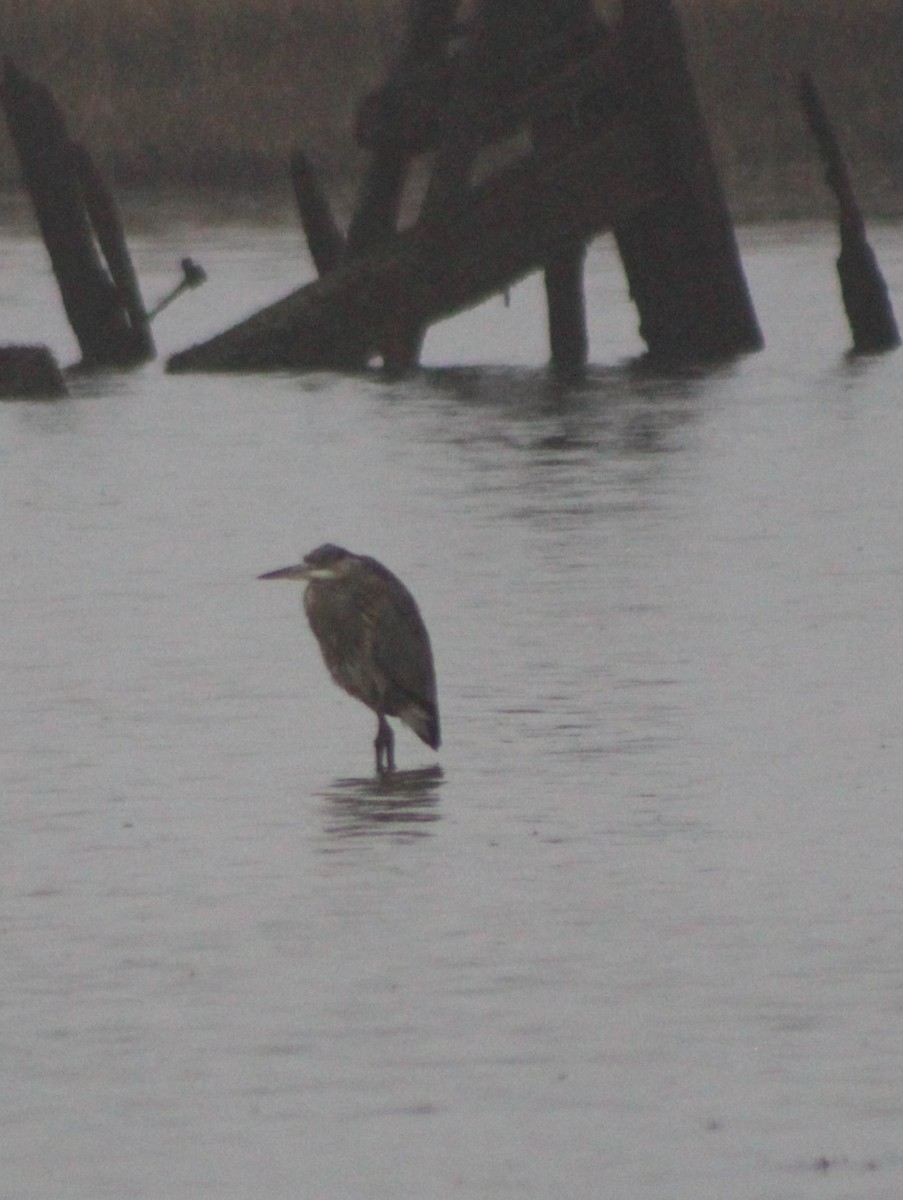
x: 400, y: 804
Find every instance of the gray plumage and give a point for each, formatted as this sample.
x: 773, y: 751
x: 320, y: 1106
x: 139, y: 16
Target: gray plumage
x: 373, y: 640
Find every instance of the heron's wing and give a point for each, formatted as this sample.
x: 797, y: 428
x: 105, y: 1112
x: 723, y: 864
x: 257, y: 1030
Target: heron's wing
x: 401, y: 649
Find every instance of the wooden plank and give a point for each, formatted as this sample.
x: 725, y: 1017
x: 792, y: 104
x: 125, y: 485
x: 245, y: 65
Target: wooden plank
x: 512, y: 225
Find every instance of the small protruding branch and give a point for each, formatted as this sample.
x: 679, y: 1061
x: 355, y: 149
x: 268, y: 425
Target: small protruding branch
x: 193, y: 275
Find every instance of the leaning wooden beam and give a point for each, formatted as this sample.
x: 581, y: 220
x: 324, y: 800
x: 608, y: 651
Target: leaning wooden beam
x: 324, y: 238
x: 865, y: 297
x: 514, y: 224
x: 376, y: 217
x: 92, y: 300
x: 104, y: 218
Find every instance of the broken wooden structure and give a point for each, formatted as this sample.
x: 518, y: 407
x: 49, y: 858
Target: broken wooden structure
x: 606, y: 134
x: 81, y: 228
x: 866, y: 299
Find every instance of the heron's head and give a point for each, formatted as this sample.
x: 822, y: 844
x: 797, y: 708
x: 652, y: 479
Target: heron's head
x: 325, y: 563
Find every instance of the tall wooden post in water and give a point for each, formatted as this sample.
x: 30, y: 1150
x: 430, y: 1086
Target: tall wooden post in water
x: 866, y: 301
x: 81, y: 228
x: 680, y: 255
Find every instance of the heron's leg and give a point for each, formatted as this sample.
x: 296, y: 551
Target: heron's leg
x: 385, y: 746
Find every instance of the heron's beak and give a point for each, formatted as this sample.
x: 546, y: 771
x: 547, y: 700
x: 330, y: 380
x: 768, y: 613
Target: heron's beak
x: 298, y: 571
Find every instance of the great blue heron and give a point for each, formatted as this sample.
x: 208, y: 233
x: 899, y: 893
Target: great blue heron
x: 373, y: 641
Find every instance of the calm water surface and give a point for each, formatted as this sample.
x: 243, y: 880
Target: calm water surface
x: 634, y: 932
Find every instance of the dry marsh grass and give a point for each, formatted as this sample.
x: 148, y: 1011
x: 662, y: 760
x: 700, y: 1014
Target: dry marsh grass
x: 747, y: 55
x: 220, y: 92
x: 195, y: 91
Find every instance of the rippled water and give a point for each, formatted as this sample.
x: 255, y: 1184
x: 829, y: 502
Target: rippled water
x: 634, y: 931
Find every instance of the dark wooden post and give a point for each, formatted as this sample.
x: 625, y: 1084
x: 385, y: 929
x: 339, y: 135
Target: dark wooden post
x: 865, y: 297
x: 103, y: 311
x: 104, y: 219
x: 568, y: 341
x: 376, y: 215
x: 680, y: 256
x: 324, y: 238
x: 460, y: 139
x: 563, y: 274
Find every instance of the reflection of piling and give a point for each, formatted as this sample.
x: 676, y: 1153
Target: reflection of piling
x: 865, y: 297
x: 77, y: 215
x: 543, y: 127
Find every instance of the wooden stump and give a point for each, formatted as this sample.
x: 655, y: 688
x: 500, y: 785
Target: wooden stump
x: 30, y: 372
x: 866, y: 299
x: 76, y: 214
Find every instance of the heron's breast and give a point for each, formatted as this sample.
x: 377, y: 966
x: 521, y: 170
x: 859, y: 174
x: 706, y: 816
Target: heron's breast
x: 345, y: 631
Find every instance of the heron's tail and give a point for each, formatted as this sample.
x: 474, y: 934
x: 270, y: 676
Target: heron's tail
x: 423, y: 718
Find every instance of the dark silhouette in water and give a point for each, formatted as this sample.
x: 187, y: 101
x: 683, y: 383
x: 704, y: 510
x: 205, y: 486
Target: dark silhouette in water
x: 373, y: 641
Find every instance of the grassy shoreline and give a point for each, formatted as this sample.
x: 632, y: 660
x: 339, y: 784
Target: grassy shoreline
x: 182, y: 94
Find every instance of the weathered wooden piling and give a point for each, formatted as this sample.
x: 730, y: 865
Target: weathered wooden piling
x: 77, y: 214
x: 680, y: 255
x: 134, y: 342
x: 865, y: 296
x: 324, y: 238
x: 572, y: 21
x: 566, y: 307
x: 610, y: 137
